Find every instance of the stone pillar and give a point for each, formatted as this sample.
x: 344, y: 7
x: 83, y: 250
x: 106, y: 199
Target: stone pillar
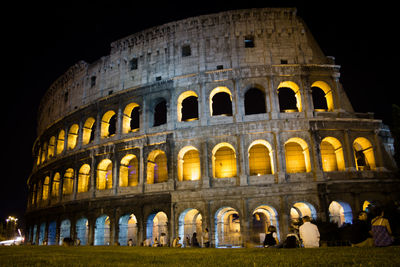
x: 92, y: 224
x: 349, y: 155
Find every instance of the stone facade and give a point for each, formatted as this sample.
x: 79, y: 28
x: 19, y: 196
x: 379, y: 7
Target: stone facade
x: 316, y: 156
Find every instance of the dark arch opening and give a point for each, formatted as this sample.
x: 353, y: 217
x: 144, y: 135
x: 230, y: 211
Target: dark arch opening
x: 112, y: 128
x: 287, y: 100
x: 135, y: 118
x: 319, y: 100
x: 190, y: 109
x: 254, y: 102
x: 160, y: 113
x: 221, y: 104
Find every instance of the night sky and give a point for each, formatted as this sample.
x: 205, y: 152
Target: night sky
x: 40, y: 41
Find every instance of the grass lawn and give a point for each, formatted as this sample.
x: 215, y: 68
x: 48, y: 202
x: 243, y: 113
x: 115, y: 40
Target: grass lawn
x: 143, y: 256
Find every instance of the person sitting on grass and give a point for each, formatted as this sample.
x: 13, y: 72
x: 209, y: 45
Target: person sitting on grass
x: 271, y: 238
x: 309, y: 233
x: 175, y: 243
x: 361, y: 232
x: 292, y: 239
x: 381, y: 232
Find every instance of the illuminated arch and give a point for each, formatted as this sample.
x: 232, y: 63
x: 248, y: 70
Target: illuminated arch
x: 68, y: 182
x: 73, y: 136
x: 127, y: 118
x: 104, y: 175
x: 295, y: 88
x: 217, y: 90
x: 227, y: 228
x: 263, y: 216
x: 157, y: 171
x: 46, y: 188
x: 224, y: 161
x: 332, y: 155
x: 108, y: 124
x: 44, y: 152
x: 297, y: 156
x: 364, y: 154
x: 102, y: 231
x: 157, y: 224
x: 55, y: 187
x: 327, y: 91
x: 88, y: 131
x: 82, y: 230
x: 260, y: 158
x: 52, y: 145
x: 340, y: 213
x: 190, y: 221
x: 83, y: 178
x: 65, y: 230
x: 128, y: 171
x: 301, y: 209
x: 60, y: 142
x: 189, y: 164
x: 185, y: 95
x: 127, y: 229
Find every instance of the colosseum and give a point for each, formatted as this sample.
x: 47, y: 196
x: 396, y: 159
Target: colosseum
x: 231, y: 121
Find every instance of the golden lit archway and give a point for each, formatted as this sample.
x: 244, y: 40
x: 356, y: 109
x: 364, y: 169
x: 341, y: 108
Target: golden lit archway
x: 55, y: 187
x: 220, y: 89
x: 126, y: 118
x: 301, y: 209
x: 73, y: 136
x: 188, y: 164
x: 297, y: 156
x: 60, y: 142
x: 46, y: 188
x: 104, y: 175
x: 88, y: 131
x: 83, y: 178
x: 295, y: 88
x: 364, y: 154
x: 105, y: 130
x: 263, y: 216
x: 227, y: 228
x: 328, y: 93
x: 224, y: 161
x: 260, y: 158
x: 157, y: 171
x: 52, y: 145
x: 68, y: 182
x: 340, y: 212
x: 332, y: 155
x: 128, y: 171
x: 181, y: 98
x: 44, y: 152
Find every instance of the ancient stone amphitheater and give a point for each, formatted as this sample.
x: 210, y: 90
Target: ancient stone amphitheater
x: 231, y: 121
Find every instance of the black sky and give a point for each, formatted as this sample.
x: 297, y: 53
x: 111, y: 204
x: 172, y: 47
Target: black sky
x: 40, y: 41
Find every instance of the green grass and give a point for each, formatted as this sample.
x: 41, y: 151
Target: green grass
x: 140, y: 256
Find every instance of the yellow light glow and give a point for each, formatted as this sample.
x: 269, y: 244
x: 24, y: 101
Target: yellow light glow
x: 182, y: 97
x: 297, y: 156
x: 296, y: 90
x: 224, y: 161
x: 328, y: 93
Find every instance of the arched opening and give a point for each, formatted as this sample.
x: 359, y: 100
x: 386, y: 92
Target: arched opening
x: 82, y: 230
x: 42, y: 230
x: 73, y: 136
x: 224, y: 161
x: 340, y: 213
x: 46, y: 188
x: 68, y: 182
x: 254, y: 101
x: 188, y: 106
x: 51, y: 233
x: 260, y: 158
x: 102, y: 231
x: 263, y: 217
x: 88, y: 131
x: 128, y: 171
x: 227, y: 228
x: 157, y: 226
x: 55, y: 187
x: 332, y: 155
x: 297, y: 156
x: 188, y: 164
x: 108, y: 124
x: 34, y: 234
x: 322, y: 96
x: 221, y: 102
x: 131, y: 118
x: 127, y: 230
x: 52, y: 145
x: 289, y: 97
x: 65, y: 230
x: 190, y: 221
x: 364, y: 154
x: 83, y: 178
x: 301, y: 209
x: 157, y: 171
x: 104, y: 175
x: 60, y: 142
x: 44, y: 152
x: 160, y: 113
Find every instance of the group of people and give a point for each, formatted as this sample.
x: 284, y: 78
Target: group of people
x: 309, y: 236
x: 193, y: 242
x: 377, y: 233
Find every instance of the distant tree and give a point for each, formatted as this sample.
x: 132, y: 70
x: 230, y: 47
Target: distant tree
x: 395, y: 129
